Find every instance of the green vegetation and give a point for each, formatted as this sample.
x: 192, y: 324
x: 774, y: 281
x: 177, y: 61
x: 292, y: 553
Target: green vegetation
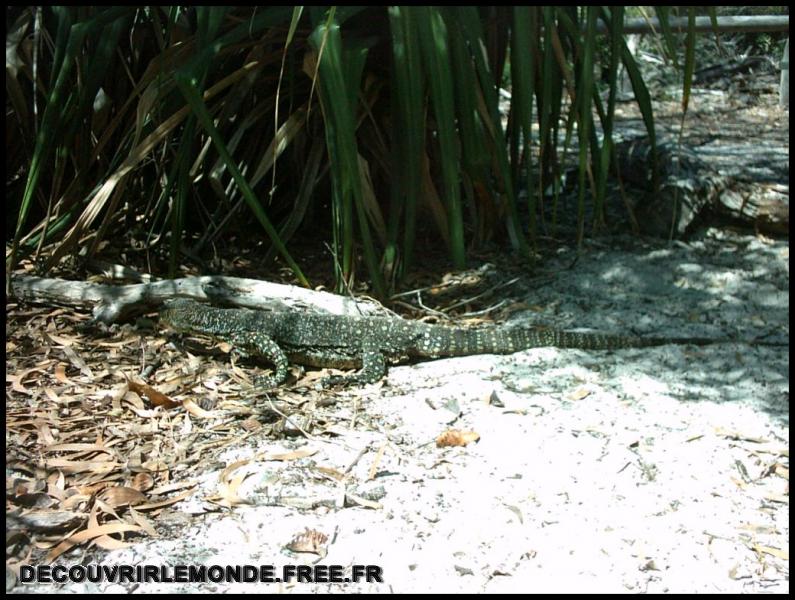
x: 157, y: 122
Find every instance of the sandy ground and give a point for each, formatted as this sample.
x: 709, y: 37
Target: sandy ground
x: 638, y: 470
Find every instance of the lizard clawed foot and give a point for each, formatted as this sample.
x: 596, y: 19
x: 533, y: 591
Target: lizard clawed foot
x: 333, y: 381
x: 266, y: 382
x: 345, y: 380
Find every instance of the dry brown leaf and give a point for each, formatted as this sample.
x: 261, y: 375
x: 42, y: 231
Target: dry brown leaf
x: 77, y: 361
x: 155, y: 397
x: 330, y: 473
x: 108, y: 543
x: 16, y: 380
x: 101, y: 508
x: 79, y: 449
x: 135, y: 401
x: 454, y: 437
x: 60, y: 373
x: 56, y: 485
x: 88, y: 534
x: 736, y: 435
x: 171, y: 487
x: 45, y: 436
x: 493, y: 399
x: 82, y: 466
x: 37, y: 500
x: 142, y: 482
x: 287, y: 455
x: 196, y: 410
x: 61, y: 340
x: 229, y: 483
x: 579, y: 394
x: 143, y: 522
x: 251, y: 424
x: 119, y: 344
x: 166, y: 502
x: 48, y: 521
x: 310, y: 540
x: 226, y: 474
x: 773, y: 497
x: 757, y: 528
x: 782, y: 554
x: 379, y: 455
x: 355, y: 499
x: 121, y: 496
x: 75, y: 500
x: 52, y: 396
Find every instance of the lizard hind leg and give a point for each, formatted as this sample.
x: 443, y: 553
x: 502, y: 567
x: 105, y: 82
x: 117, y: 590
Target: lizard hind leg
x: 373, y: 369
x: 259, y: 344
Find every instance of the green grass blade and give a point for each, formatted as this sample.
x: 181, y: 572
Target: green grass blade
x: 56, y: 109
x: 179, y: 180
x: 435, y: 53
x: 476, y: 157
x: 408, y: 136
x: 585, y: 93
x: 549, y: 111
x: 306, y: 188
x: 690, y: 60
x: 670, y: 45
x: 615, y: 33
x: 713, y: 18
x: 643, y: 98
x: 468, y: 18
x: 340, y: 73
x: 63, y: 15
x: 192, y: 95
x: 523, y: 70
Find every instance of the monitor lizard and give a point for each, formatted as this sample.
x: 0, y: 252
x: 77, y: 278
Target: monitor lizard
x: 326, y: 340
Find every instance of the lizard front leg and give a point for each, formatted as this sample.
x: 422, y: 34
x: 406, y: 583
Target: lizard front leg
x: 259, y: 344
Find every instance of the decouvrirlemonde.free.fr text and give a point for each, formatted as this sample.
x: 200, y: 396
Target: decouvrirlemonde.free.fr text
x: 200, y: 574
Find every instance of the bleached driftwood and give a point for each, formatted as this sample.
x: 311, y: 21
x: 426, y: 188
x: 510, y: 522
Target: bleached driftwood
x: 111, y: 303
x: 690, y: 186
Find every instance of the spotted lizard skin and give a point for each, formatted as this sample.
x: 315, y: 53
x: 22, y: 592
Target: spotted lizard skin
x: 369, y: 342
